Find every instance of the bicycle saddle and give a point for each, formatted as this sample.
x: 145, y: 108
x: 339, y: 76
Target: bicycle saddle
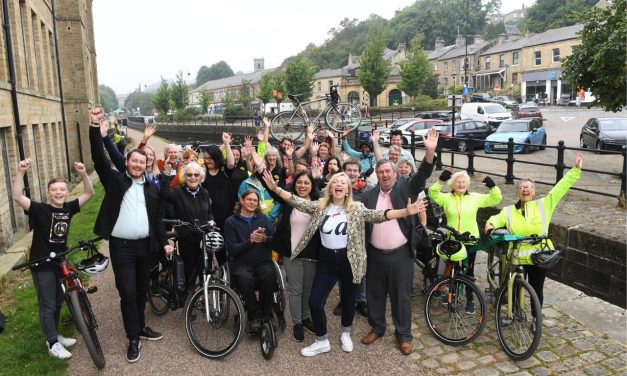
x: 294, y: 97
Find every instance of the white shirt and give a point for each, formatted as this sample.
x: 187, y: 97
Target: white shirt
x: 132, y: 222
x: 334, y: 228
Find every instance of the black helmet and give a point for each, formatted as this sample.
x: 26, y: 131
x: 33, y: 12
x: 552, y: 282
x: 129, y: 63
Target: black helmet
x: 94, y: 264
x: 546, y: 259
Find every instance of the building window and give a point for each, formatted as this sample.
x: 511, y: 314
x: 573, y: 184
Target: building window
x: 538, y: 58
x: 487, y: 63
x: 556, y: 55
x: 446, y: 66
x: 514, y: 78
x: 435, y: 67
x: 461, y: 64
x: 502, y: 61
x: 515, y: 57
x: 319, y: 86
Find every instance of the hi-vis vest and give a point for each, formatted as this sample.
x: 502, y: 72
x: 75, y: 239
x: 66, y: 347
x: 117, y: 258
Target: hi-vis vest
x: 526, y: 250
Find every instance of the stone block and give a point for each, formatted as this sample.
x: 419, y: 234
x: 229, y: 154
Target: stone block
x: 507, y: 367
x: 596, y: 370
x: 541, y: 371
x: 583, y: 345
x: 547, y: 356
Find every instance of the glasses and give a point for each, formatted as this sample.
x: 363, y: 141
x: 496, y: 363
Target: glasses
x: 521, y: 187
x: 189, y: 175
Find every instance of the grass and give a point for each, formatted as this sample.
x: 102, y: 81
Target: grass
x: 22, y: 344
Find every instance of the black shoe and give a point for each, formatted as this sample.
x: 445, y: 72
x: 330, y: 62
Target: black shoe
x: 308, y: 324
x: 337, y: 311
x: 255, y: 327
x: 362, y: 308
x: 132, y: 354
x: 299, y: 333
x: 150, y: 335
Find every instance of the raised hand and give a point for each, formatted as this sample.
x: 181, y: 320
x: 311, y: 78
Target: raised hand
x: 269, y: 179
x: 330, y: 134
x: 25, y: 164
x: 416, y: 207
x: 257, y: 160
x: 345, y: 157
x: 289, y: 151
x: 579, y: 160
x: 80, y: 168
x: 227, y: 138
x: 315, y: 145
x: 376, y: 135
x: 266, y: 121
x: 248, y: 142
x: 310, y: 131
x: 431, y: 139
x: 96, y: 115
x: 104, y: 127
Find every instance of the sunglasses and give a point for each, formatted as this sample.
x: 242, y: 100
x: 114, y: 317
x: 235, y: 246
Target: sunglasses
x: 192, y: 175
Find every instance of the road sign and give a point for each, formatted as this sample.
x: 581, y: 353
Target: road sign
x: 457, y: 99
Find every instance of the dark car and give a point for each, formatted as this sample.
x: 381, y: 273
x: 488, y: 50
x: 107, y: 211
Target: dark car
x: 604, y: 134
x: 528, y: 110
x: 480, y: 97
x: 505, y: 101
x: 444, y: 115
x: 464, y: 130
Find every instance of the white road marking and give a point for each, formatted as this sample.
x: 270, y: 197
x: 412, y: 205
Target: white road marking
x: 567, y: 118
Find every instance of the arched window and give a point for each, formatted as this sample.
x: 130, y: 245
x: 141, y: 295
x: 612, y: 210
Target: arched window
x: 395, y: 98
x: 353, y: 97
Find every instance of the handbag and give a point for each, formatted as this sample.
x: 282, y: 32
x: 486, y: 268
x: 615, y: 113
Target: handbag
x: 422, y: 243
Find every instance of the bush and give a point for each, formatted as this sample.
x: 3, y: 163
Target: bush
x: 185, y: 114
x: 234, y: 112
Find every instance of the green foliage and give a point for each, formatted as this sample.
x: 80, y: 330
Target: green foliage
x: 492, y: 31
x: 426, y: 103
x: 108, y: 99
x: 179, y: 92
x: 430, y: 86
x: 456, y: 89
x: 265, y: 88
x: 141, y: 100
x: 161, y: 99
x: 218, y: 70
x: 278, y: 87
x: 233, y: 112
x: 552, y: 14
x: 229, y: 96
x: 598, y: 64
x: 206, y: 97
x: 299, y: 77
x: 244, y: 93
x: 374, y: 69
x: 416, y: 69
x: 185, y: 114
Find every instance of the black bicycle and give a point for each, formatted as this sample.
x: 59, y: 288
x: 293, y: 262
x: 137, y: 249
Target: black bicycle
x: 75, y: 294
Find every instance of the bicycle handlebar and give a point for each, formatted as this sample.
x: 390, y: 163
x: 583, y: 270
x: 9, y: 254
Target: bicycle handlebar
x: 209, y: 226
x: 465, y: 237
x: 53, y: 255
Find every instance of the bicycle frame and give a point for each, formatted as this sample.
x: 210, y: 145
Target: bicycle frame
x: 301, y: 105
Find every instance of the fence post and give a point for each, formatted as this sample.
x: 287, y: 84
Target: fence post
x: 509, y: 175
x: 471, y: 156
x: 623, y: 183
x: 559, y: 166
x: 413, y: 143
x: 438, y: 154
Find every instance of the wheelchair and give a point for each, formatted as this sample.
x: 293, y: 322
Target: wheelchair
x: 268, y: 340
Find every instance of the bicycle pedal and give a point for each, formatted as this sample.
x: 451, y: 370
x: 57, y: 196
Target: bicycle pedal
x: 92, y: 289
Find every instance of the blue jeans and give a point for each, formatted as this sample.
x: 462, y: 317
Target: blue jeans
x: 333, y: 265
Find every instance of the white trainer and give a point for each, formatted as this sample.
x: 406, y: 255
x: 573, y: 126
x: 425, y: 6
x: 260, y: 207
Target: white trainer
x: 66, y: 342
x: 347, y: 342
x: 58, y: 351
x: 316, y: 348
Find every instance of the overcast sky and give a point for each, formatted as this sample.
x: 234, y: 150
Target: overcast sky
x: 138, y: 41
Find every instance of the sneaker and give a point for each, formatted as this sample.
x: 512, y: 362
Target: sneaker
x: 308, y: 324
x: 470, y: 308
x: 66, y: 342
x: 255, y: 327
x: 316, y: 348
x: 150, y: 334
x: 299, y: 333
x: 58, y: 351
x: 132, y: 354
x: 347, y: 342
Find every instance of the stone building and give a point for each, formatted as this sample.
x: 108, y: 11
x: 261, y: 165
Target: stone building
x: 49, y: 47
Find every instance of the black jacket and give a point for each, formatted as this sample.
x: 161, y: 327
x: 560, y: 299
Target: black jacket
x: 237, y: 238
x: 116, y: 184
x: 188, y: 207
x: 282, y: 240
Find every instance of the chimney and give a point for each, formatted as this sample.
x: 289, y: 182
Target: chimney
x: 460, y: 41
x: 351, y: 59
x: 478, y: 39
x: 502, y: 38
x: 439, y: 43
x: 259, y: 64
x: 401, y: 46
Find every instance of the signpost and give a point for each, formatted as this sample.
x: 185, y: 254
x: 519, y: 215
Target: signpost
x: 453, y: 100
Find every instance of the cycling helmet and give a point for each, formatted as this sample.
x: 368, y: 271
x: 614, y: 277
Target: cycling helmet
x: 546, y: 259
x: 94, y: 264
x: 214, y: 241
x: 451, y: 250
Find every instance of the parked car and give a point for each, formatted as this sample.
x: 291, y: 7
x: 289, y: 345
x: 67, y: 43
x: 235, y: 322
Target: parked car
x: 563, y: 100
x: 480, y: 97
x: 419, y: 126
x: 604, y: 134
x: 505, y: 101
x: 528, y: 110
x: 443, y: 115
x: 464, y: 130
x: 527, y: 133
x: 491, y: 113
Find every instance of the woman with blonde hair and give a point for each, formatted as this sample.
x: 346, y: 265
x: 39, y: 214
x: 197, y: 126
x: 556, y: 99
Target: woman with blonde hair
x: 340, y: 222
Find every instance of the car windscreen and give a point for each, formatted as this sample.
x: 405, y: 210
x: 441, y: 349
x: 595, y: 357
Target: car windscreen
x: 529, y: 109
x: 443, y: 128
x: 399, y: 123
x: 613, y: 125
x: 494, y: 109
x: 516, y: 126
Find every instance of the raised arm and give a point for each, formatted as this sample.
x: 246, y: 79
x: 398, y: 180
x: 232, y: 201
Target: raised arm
x: 300, y: 153
x: 149, y: 130
x: 289, y: 153
x: 17, y: 192
x: 331, y: 137
x: 230, y: 159
x: 88, y: 189
x: 101, y: 164
x: 378, y: 153
x: 118, y: 159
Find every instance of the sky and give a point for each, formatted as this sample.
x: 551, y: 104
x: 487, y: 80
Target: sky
x: 138, y: 41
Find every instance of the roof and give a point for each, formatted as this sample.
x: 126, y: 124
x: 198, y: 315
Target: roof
x: 232, y: 81
x: 435, y: 54
x: 555, y: 35
x: 506, y: 46
x: 461, y: 51
x: 324, y: 73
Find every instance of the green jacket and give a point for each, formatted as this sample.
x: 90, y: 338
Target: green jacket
x: 534, y: 216
x: 461, y: 211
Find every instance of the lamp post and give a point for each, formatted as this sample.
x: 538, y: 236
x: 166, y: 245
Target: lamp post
x: 466, y: 46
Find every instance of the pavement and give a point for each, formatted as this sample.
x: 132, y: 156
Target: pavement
x: 582, y: 335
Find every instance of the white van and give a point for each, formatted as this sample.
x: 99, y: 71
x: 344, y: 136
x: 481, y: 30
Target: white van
x: 490, y: 113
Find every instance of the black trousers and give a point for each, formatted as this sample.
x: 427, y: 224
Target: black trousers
x: 247, y: 279
x: 51, y: 297
x: 536, y: 277
x: 131, y: 261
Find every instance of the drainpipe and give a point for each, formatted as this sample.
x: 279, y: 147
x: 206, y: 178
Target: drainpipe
x: 61, y: 97
x: 13, y: 79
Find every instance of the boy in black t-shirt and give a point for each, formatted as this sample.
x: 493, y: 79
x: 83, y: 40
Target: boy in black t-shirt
x: 50, y: 223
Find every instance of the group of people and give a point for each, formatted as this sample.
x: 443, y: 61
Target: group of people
x: 311, y: 208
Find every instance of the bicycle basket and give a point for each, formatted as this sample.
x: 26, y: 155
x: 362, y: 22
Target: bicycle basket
x: 451, y: 250
x: 335, y: 97
x: 546, y: 259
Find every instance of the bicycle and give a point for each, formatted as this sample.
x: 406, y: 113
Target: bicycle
x: 452, y: 299
x: 339, y: 116
x: 213, y: 329
x: 75, y: 294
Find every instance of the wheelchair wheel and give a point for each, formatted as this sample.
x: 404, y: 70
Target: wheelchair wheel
x: 279, y: 298
x: 267, y: 340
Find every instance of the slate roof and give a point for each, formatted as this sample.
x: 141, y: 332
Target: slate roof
x: 232, y: 81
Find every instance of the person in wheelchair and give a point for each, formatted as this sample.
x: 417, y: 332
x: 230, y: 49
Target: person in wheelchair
x: 246, y: 234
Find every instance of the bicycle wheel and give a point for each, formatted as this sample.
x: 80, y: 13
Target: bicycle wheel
x: 518, y: 335
x: 83, y: 316
x: 212, y: 331
x: 343, y: 116
x: 288, y: 124
x: 493, y: 267
x: 455, y: 310
x: 160, y: 294
x: 267, y: 340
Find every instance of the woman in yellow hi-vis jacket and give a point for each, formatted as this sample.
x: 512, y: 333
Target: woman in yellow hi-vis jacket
x: 531, y: 216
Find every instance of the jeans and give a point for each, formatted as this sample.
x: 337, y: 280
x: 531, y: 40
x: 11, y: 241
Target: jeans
x: 333, y: 265
x: 50, y: 296
x: 300, y: 276
x: 247, y: 279
x: 131, y: 261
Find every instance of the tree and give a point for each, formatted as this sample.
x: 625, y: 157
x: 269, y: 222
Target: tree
x: 108, y: 99
x: 374, y: 69
x: 265, y: 89
x: 299, y: 77
x: 141, y: 100
x: 430, y: 87
x: 218, y: 70
x: 598, y: 64
x: 179, y: 92
x: 229, y: 96
x: 244, y: 94
x: 552, y: 14
x: 416, y: 69
x: 205, y: 98
x: 161, y: 99
x: 492, y: 31
x: 278, y: 89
